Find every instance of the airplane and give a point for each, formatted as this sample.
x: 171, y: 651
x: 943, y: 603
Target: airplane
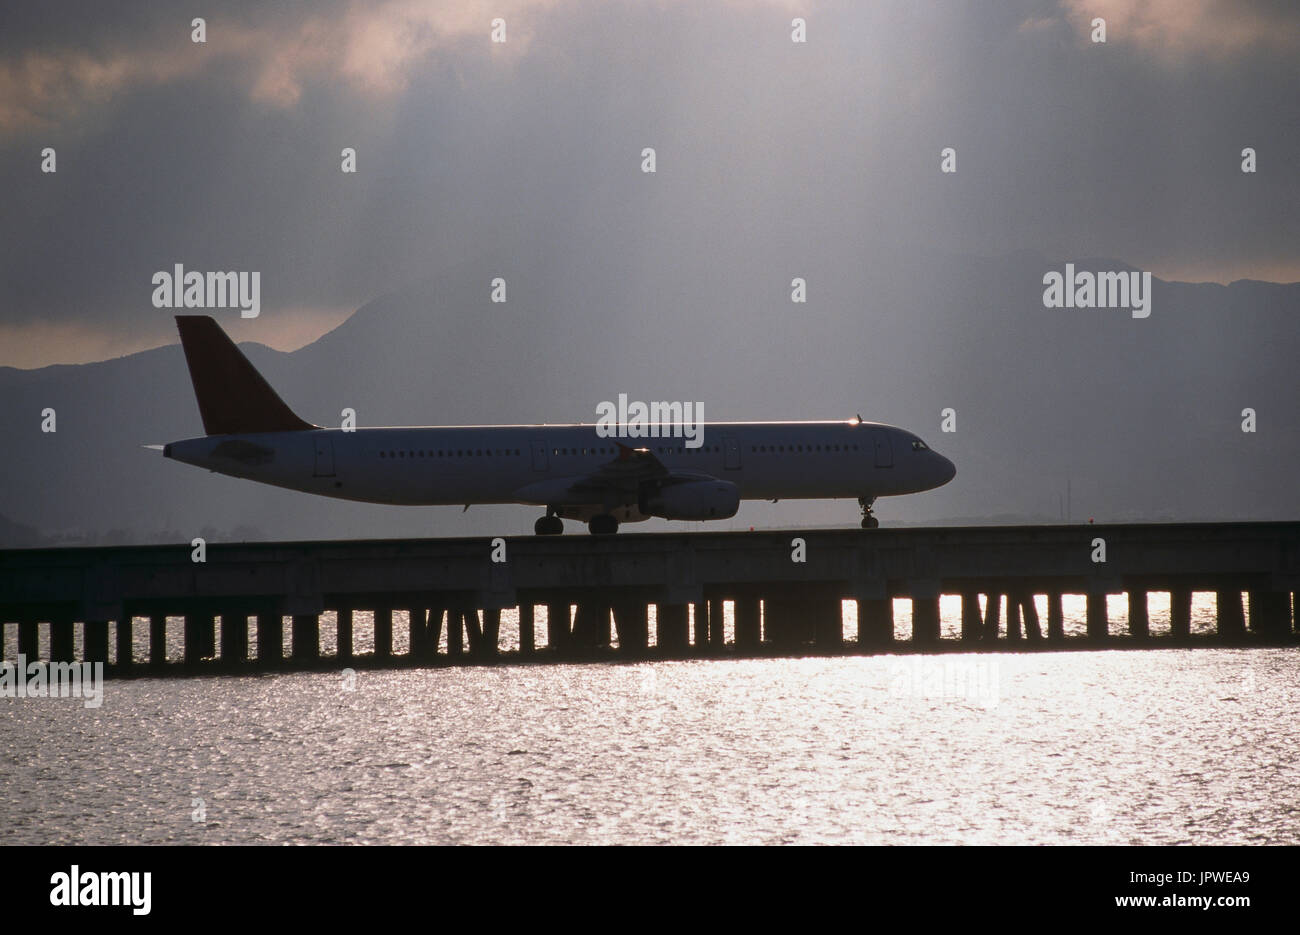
x: 569, y: 470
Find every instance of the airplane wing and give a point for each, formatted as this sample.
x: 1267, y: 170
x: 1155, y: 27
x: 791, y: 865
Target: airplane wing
x: 621, y: 477
x: 626, y: 472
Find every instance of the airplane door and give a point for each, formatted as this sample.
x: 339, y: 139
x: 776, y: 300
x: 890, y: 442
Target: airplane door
x: 730, y: 452
x: 539, y: 454
x: 884, y: 450
x: 324, y: 457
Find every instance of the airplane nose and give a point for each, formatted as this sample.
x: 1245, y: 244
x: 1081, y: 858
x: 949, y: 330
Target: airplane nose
x: 947, y: 470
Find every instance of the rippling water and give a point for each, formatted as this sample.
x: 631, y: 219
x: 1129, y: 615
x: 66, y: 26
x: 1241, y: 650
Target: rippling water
x: 1163, y: 746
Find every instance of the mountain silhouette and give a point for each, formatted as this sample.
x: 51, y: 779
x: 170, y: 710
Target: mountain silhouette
x: 1141, y: 418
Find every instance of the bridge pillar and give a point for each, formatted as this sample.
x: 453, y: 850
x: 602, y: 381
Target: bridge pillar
x: 1270, y: 612
x: 925, y: 620
x: 270, y: 637
x: 491, y: 631
x: 788, y: 621
x: 1139, y: 623
x: 234, y: 637
x: 306, y: 636
x: 992, y: 616
x: 469, y: 615
x: 475, y: 629
x: 383, y: 632
x: 1029, y: 611
x: 1098, y: 624
x: 591, y: 622
x: 700, y: 626
x: 343, y: 637
x: 1055, y: 618
x: 875, y: 621
x: 1232, y: 620
x: 558, y: 625
x: 827, y: 614
x: 200, y: 635
x: 632, y: 621
x: 748, y: 623
x: 527, y: 634
x: 1180, y: 613
x: 1014, y: 633
x: 94, y: 641
x: 671, y: 627
x: 157, y: 640
x: 970, y: 616
x: 803, y: 613
x: 125, y: 645
x: 781, y: 621
x: 61, y: 639
x: 417, y: 633
x: 29, y: 639
x: 717, y: 623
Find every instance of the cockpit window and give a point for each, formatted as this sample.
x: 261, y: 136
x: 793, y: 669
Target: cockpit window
x: 919, y: 445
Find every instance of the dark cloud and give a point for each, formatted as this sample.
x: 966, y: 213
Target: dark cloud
x: 771, y: 155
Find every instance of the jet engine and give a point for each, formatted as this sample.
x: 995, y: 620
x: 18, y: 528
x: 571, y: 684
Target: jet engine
x: 699, y: 499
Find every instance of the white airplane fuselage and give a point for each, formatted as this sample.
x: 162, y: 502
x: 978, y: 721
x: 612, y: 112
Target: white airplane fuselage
x: 604, y: 474
x: 536, y: 464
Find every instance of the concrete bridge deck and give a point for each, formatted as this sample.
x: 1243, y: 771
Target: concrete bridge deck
x: 787, y: 590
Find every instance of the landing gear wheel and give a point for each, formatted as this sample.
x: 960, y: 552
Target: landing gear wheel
x: 868, y: 521
x: 548, y: 526
x: 603, y: 525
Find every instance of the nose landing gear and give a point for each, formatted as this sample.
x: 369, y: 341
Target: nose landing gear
x: 868, y: 520
x: 548, y: 525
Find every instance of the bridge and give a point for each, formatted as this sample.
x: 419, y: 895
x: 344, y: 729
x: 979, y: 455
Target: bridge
x: 786, y: 591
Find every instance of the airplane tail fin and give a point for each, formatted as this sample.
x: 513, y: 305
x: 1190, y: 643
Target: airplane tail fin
x: 233, y: 397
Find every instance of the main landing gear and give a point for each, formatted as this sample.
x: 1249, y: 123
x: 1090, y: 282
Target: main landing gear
x: 603, y: 525
x: 548, y: 525
x: 552, y: 525
x: 868, y: 521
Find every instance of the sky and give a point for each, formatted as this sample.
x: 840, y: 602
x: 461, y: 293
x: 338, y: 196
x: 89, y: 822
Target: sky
x: 226, y: 154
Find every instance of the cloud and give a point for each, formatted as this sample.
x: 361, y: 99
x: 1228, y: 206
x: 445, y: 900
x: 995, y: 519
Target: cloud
x: 369, y: 47
x: 771, y: 155
x: 31, y: 344
x: 1180, y: 29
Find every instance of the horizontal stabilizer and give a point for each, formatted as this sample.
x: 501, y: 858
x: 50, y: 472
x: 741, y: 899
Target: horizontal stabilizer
x: 233, y: 397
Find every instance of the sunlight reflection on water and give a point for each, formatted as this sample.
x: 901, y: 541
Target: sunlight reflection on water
x: 1164, y: 746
